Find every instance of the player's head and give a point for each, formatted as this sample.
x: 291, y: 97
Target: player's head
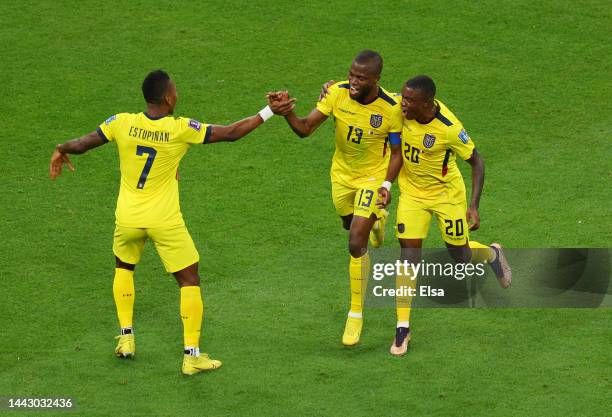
x: 159, y: 89
x: 418, y: 96
x: 364, y: 74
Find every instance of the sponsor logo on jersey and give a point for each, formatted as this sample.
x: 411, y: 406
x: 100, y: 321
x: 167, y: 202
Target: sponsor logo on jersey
x: 110, y: 119
x: 376, y: 120
x: 429, y: 140
x: 464, y: 136
x: 195, y: 125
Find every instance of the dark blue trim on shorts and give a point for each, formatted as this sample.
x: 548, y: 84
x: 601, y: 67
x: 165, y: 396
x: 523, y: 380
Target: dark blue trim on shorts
x: 102, y: 135
x: 207, y: 134
x: 395, y: 138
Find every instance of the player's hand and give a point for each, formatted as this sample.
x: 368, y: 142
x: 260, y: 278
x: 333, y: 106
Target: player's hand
x: 473, y: 218
x: 325, y: 89
x: 58, y: 159
x: 281, y: 103
x: 384, y: 198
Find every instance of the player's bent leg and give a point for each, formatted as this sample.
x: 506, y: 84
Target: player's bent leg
x: 359, y: 267
x: 411, y: 252
x: 377, y: 235
x: 192, y: 312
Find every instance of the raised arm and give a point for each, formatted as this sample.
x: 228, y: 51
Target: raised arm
x: 302, y: 127
x: 241, y: 128
x: 74, y: 146
x: 478, y: 172
x: 305, y: 126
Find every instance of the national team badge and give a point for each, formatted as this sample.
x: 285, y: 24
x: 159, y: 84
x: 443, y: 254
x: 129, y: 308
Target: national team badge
x: 429, y: 140
x: 464, y: 136
x: 195, y: 125
x: 376, y: 120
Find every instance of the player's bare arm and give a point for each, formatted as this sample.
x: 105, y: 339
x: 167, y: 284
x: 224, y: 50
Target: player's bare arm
x: 478, y: 171
x: 74, y: 146
x: 395, y: 165
x: 236, y: 130
x: 302, y: 127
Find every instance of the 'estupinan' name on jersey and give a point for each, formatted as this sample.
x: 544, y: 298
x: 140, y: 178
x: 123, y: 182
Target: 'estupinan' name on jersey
x: 150, y: 150
x: 429, y: 150
x: 361, y: 132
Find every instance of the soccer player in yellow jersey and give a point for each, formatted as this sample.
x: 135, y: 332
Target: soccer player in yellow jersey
x: 367, y: 119
x: 431, y: 184
x: 151, y: 145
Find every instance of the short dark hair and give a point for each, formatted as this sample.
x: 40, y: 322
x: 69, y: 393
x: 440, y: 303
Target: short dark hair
x: 369, y: 57
x: 424, y: 84
x: 155, y: 85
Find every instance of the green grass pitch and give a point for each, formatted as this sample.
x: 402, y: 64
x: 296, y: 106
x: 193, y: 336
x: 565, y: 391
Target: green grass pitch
x: 530, y: 81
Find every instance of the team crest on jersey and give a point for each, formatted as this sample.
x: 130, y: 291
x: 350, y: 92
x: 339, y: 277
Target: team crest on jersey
x: 195, y: 125
x: 110, y: 119
x: 429, y: 140
x: 376, y: 120
x: 464, y: 136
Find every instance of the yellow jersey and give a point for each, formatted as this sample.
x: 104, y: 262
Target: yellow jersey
x: 150, y: 150
x: 362, y: 131
x: 430, y: 170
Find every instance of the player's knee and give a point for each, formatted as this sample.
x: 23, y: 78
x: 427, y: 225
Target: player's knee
x: 357, y: 246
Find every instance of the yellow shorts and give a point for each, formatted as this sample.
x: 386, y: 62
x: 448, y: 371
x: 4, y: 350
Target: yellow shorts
x: 359, y: 200
x: 414, y: 218
x: 173, y: 244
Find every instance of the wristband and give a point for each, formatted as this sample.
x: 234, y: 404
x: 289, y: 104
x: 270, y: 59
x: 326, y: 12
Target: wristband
x: 266, y: 113
x: 387, y: 185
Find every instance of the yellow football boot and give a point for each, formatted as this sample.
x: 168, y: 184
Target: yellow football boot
x: 126, y: 348
x: 352, y: 331
x: 194, y: 364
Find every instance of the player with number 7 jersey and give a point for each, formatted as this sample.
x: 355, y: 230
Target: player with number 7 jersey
x: 151, y: 145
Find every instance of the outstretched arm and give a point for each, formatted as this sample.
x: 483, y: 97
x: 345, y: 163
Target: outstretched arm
x: 302, y: 127
x: 478, y: 171
x: 241, y: 128
x: 305, y: 126
x: 74, y: 146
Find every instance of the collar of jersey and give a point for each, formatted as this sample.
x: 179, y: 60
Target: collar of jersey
x: 151, y: 117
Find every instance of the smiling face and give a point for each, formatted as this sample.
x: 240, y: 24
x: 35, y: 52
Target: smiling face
x: 415, y: 103
x: 363, y: 80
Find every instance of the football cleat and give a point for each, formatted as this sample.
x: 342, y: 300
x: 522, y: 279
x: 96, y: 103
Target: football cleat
x: 399, y: 347
x: 501, y: 267
x: 352, y: 331
x: 194, y: 364
x: 377, y: 235
x: 126, y: 348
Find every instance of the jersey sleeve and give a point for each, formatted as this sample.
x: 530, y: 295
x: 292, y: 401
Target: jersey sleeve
x: 106, y: 128
x: 326, y: 104
x: 192, y: 131
x: 395, y: 127
x: 460, y: 142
